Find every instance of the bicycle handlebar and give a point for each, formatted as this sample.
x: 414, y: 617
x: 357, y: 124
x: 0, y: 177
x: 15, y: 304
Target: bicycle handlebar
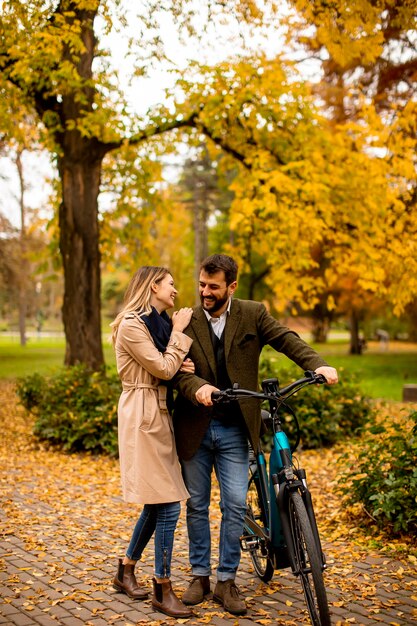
x: 227, y: 395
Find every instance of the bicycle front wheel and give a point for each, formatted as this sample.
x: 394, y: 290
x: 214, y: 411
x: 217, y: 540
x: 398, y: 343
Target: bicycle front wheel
x: 308, y: 561
x: 256, y: 517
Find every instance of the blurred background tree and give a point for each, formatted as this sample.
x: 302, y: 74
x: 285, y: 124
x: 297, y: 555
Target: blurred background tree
x: 301, y: 163
x: 53, y: 59
x: 366, y: 52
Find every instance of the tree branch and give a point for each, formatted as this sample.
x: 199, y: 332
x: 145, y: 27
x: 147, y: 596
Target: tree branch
x: 191, y: 121
x: 152, y: 131
x: 219, y: 141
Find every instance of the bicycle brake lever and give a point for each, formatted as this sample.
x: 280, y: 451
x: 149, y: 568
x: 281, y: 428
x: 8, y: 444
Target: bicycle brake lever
x: 216, y: 396
x: 221, y: 396
x: 310, y: 374
x: 318, y: 379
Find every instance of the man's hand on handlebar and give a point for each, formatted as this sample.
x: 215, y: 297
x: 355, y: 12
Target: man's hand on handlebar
x: 329, y: 373
x: 203, y: 395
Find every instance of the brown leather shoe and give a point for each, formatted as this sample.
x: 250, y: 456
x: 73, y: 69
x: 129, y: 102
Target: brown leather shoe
x: 227, y: 593
x: 165, y: 601
x: 125, y: 582
x: 198, y: 590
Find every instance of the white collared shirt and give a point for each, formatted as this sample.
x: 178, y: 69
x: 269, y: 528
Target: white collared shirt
x: 218, y: 323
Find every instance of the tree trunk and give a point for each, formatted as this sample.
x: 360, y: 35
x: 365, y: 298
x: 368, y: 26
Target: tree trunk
x: 322, y: 316
x: 197, y: 250
x: 320, y: 330
x: 200, y: 214
x: 254, y: 280
x: 24, y: 266
x: 355, y: 344
x: 79, y: 243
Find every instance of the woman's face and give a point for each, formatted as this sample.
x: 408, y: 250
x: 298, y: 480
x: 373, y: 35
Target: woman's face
x: 164, y: 292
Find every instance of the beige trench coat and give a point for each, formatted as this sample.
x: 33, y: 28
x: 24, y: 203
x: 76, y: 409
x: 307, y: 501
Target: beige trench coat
x: 150, y: 470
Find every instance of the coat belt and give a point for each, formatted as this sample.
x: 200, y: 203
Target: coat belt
x: 135, y: 384
x: 160, y: 389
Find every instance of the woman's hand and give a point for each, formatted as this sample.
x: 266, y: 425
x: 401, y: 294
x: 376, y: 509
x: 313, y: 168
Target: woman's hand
x: 188, y: 366
x: 181, y: 318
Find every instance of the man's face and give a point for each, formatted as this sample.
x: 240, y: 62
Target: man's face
x: 214, y: 293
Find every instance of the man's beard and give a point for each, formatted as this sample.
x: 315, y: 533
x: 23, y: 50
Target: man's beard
x: 217, y: 303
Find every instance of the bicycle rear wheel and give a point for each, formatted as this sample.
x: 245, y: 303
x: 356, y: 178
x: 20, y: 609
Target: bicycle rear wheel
x: 256, y: 516
x: 308, y: 560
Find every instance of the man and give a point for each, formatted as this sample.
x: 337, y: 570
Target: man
x: 228, y: 336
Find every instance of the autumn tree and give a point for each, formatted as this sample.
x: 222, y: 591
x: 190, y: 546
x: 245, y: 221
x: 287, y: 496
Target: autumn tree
x: 203, y: 191
x: 326, y: 188
x: 143, y: 222
x: 368, y: 49
x: 8, y: 252
x: 51, y: 60
x: 302, y: 184
x: 37, y: 287
x: 23, y: 265
x: 317, y: 201
x: 22, y: 138
x: 362, y: 47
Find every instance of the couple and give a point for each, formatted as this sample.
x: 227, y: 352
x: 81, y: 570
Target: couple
x: 199, y: 351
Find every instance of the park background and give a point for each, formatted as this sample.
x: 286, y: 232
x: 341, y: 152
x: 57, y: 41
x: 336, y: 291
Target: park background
x: 283, y: 134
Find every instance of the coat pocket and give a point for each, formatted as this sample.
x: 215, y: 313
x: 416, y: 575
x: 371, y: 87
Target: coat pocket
x: 247, y: 338
x: 145, y: 408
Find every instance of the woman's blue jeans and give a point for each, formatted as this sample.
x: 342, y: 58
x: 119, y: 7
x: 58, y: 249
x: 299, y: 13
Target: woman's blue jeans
x: 160, y: 519
x: 226, y: 449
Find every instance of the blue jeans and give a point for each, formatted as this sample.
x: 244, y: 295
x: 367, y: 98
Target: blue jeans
x: 226, y: 449
x: 161, y: 519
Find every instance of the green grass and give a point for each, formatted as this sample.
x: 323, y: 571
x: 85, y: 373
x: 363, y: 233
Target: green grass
x: 40, y: 355
x: 379, y: 374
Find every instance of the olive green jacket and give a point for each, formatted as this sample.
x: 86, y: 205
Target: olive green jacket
x: 249, y: 328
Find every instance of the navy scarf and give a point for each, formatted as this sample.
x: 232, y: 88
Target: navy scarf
x: 160, y: 327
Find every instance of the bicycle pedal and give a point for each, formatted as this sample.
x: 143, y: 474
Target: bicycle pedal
x: 248, y: 542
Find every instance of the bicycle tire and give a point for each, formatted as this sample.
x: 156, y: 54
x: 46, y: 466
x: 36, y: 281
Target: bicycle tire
x: 262, y: 562
x: 308, y: 561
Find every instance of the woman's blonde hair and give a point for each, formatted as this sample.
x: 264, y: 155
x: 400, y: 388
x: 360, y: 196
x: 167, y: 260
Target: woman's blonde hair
x: 138, y: 294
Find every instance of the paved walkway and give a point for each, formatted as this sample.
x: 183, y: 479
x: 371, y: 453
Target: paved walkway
x: 63, y: 526
x: 49, y: 583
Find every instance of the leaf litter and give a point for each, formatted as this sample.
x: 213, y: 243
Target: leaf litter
x: 66, y: 513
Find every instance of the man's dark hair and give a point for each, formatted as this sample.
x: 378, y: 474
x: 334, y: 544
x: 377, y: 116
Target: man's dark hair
x: 218, y: 262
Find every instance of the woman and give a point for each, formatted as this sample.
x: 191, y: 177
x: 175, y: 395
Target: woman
x: 150, y: 349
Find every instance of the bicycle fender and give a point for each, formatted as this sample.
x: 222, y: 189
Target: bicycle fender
x: 310, y: 512
x: 282, y: 504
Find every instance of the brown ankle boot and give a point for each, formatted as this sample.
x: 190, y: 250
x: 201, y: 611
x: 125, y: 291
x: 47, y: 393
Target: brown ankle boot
x: 125, y: 581
x: 198, y: 590
x: 165, y: 601
x: 227, y: 593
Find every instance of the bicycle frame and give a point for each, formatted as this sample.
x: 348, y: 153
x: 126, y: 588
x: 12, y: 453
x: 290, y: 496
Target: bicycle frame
x: 274, y: 493
x: 276, y: 537
x: 280, y: 525
x: 274, y: 487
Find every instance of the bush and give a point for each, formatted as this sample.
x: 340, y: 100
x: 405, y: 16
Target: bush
x: 326, y: 413
x: 380, y: 473
x: 76, y: 409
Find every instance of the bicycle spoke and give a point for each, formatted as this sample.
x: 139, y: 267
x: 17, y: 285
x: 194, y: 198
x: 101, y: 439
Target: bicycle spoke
x: 258, y: 551
x: 308, y: 562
